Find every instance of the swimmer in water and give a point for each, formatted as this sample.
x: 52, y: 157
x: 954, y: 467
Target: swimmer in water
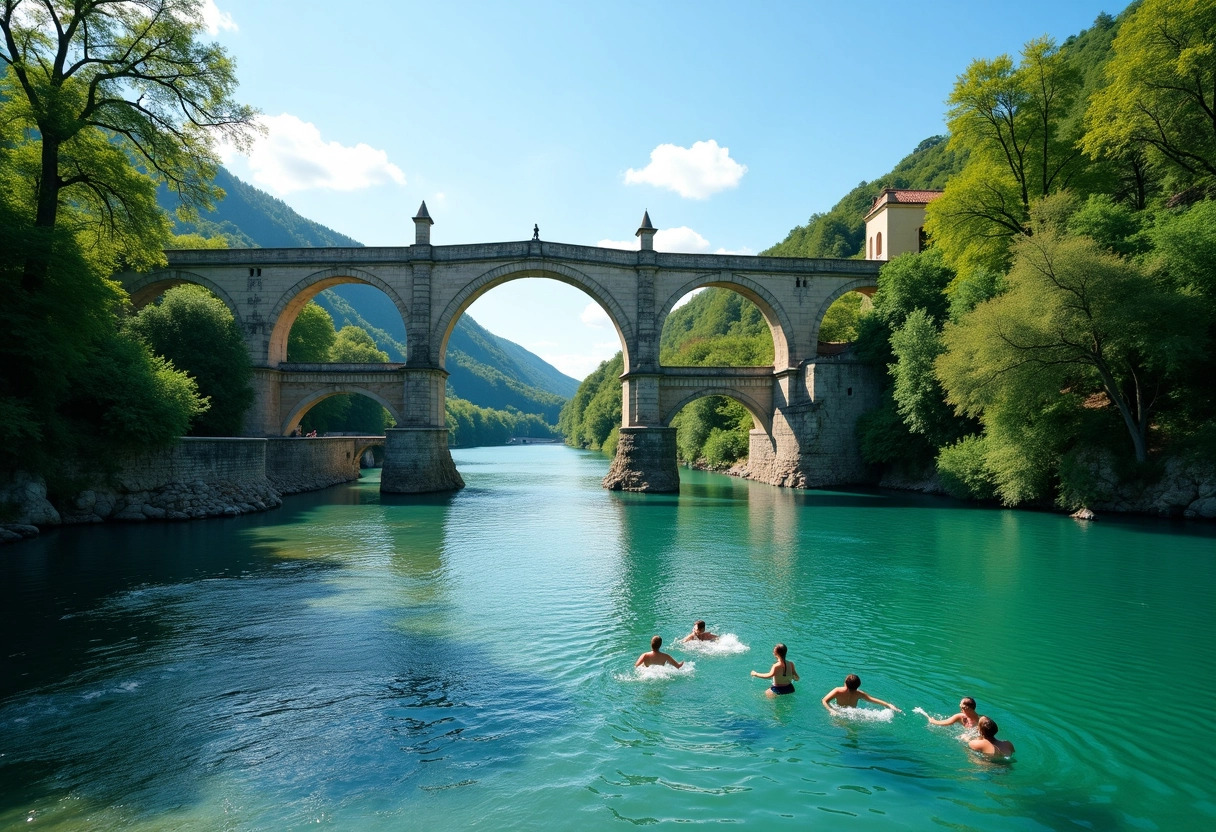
x: 966, y: 715
x: 988, y: 744
x: 656, y: 657
x: 782, y: 673
x: 848, y: 696
x: 699, y: 633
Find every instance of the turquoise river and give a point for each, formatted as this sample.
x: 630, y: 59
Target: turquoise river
x: 355, y: 661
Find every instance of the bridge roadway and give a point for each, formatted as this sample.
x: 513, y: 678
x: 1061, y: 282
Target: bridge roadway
x: 803, y: 406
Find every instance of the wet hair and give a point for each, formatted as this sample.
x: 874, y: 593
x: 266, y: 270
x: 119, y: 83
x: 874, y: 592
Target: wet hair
x: 852, y: 681
x: 780, y: 651
x: 967, y: 702
x: 700, y: 625
x: 656, y: 642
x: 988, y: 728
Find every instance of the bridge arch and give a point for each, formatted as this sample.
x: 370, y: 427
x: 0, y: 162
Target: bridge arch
x: 289, y: 304
x: 507, y: 272
x: 779, y: 323
x: 146, y: 288
x: 866, y: 286
x: 760, y: 411
x: 305, y: 404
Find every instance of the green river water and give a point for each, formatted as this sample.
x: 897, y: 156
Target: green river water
x: 357, y: 662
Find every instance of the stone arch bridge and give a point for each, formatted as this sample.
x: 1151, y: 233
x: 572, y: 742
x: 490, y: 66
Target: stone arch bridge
x: 804, y: 406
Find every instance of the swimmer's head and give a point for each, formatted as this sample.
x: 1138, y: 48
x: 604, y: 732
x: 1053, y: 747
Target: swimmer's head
x: 699, y: 626
x: 967, y: 703
x: 779, y: 651
x: 988, y: 728
x: 656, y: 642
x: 852, y: 681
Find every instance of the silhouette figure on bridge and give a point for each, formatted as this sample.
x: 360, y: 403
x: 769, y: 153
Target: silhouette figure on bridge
x: 535, y: 231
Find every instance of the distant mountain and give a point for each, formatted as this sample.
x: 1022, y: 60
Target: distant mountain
x: 485, y: 369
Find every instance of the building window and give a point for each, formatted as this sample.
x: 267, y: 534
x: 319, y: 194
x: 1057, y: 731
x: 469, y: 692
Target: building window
x: 871, y: 248
x: 922, y: 239
x: 878, y: 244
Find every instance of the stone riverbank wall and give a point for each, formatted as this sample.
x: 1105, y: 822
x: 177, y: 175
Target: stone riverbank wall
x: 198, y: 477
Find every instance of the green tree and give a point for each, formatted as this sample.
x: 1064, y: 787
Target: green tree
x: 98, y: 83
x: 1014, y: 123
x: 1161, y: 90
x: 1076, y: 321
x: 194, y: 330
x: 312, y: 335
x: 73, y: 388
x: 918, y: 394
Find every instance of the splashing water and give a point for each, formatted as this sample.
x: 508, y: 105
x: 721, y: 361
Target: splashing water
x: 727, y: 644
x: 864, y: 714
x: 656, y: 673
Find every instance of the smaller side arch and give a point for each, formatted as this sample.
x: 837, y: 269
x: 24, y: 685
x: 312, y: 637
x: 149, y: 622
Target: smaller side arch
x: 761, y: 419
x: 865, y: 285
x: 308, y: 402
x: 145, y: 288
x: 289, y: 304
x: 779, y: 323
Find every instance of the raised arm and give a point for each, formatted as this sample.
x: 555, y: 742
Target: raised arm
x: 772, y: 671
x: 829, y: 696
x: 949, y: 721
x: 641, y: 659
x: 671, y: 660
x: 876, y: 701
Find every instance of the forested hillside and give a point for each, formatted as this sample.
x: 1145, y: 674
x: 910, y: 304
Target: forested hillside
x: 1055, y: 341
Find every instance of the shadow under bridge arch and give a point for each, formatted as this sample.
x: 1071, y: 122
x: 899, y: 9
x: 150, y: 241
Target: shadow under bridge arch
x: 599, y: 291
x: 146, y: 288
x: 304, y: 387
x: 752, y: 387
x: 289, y: 304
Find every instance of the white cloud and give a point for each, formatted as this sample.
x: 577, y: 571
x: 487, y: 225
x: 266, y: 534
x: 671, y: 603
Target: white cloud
x: 594, y: 316
x: 682, y: 239
x: 215, y: 20
x: 693, y: 172
x: 292, y: 156
x: 744, y: 252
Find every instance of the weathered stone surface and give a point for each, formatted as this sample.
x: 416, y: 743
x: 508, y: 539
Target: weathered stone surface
x: 417, y: 461
x: 296, y: 465
x: 24, y: 497
x: 645, y: 461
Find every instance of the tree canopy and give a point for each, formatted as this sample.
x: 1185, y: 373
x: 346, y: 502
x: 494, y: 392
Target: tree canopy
x: 97, y: 84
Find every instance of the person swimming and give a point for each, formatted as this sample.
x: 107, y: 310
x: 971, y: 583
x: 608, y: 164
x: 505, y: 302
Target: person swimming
x: 966, y: 715
x: 699, y: 633
x: 656, y: 657
x: 782, y: 673
x: 850, y: 694
x: 987, y: 743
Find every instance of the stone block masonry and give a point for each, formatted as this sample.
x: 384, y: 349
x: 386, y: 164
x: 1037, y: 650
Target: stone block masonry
x: 198, y: 477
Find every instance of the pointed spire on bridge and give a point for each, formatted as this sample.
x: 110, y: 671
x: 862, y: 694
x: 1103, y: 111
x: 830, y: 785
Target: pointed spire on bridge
x: 422, y: 226
x: 646, y: 231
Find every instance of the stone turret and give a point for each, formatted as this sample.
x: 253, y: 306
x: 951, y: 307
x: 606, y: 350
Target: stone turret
x: 422, y: 226
x: 646, y: 231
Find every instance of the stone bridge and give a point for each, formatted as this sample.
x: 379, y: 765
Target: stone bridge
x: 804, y: 406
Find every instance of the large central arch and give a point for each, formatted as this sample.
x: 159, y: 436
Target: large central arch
x: 483, y: 283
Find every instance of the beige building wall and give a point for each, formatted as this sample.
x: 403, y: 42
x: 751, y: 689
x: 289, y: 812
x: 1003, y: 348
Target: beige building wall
x: 898, y: 227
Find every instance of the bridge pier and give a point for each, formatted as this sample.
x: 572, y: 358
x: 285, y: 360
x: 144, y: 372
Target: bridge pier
x: 645, y: 461
x: 417, y: 461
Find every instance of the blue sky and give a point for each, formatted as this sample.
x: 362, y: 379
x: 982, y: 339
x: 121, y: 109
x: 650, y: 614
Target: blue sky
x: 730, y: 123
